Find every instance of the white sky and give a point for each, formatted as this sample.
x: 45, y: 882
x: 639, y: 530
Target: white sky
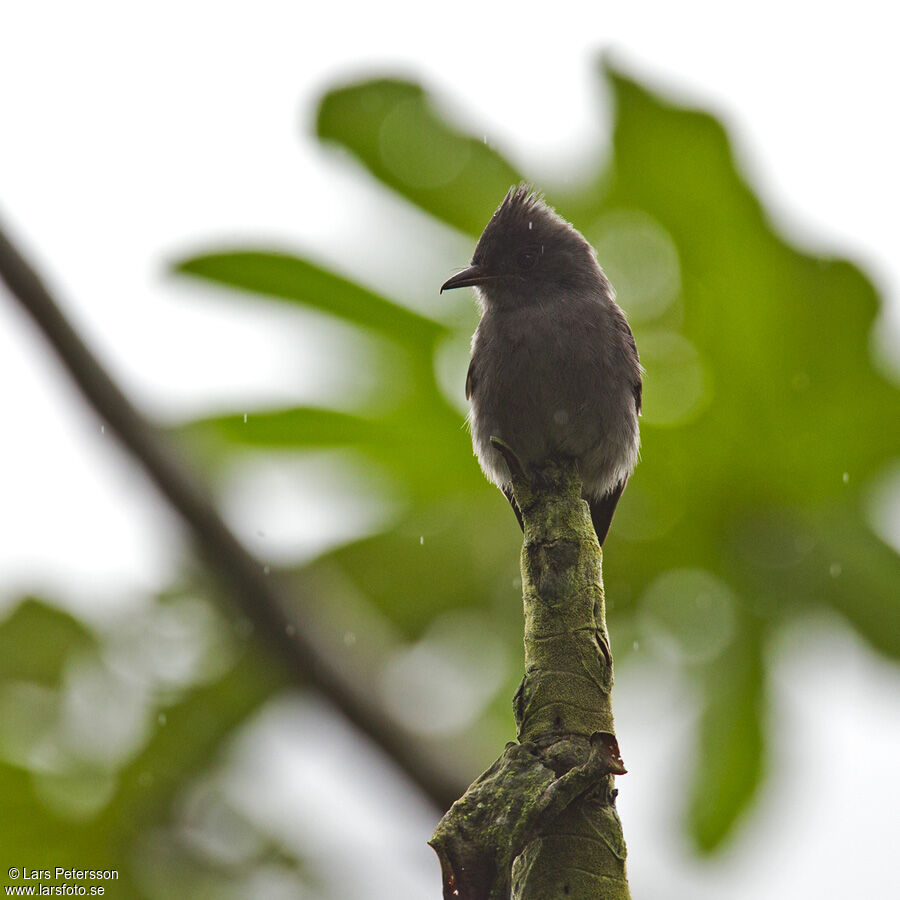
x: 132, y: 133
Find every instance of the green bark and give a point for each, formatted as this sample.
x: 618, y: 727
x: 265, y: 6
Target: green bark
x: 541, y: 823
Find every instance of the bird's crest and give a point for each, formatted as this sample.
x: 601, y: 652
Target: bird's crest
x: 521, y: 201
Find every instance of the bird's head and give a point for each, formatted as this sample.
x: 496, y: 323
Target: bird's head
x: 528, y: 253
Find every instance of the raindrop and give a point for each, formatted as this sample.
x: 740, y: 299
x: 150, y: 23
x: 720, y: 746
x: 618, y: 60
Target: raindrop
x: 835, y: 569
x: 846, y: 477
x: 161, y: 718
x: 265, y: 570
x: 245, y: 418
x: 421, y: 539
x: 290, y: 630
x: 102, y: 429
x: 635, y: 645
x: 349, y: 638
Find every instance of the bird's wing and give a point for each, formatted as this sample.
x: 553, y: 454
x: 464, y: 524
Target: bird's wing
x: 602, y: 510
x: 637, y: 384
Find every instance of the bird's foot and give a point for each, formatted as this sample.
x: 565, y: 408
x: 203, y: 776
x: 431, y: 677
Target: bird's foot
x: 516, y: 469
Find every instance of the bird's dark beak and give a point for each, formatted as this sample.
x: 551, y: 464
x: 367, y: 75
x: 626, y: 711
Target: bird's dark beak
x: 467, y: 278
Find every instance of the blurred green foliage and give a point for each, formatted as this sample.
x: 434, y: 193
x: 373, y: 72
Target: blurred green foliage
x: 101, y: 734
x: 760, y: 395
x: 765, y: 422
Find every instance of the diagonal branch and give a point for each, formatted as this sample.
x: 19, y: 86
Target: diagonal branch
x: 256, y: 593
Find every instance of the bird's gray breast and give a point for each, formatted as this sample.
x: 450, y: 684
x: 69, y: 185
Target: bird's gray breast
x: 544, y: 379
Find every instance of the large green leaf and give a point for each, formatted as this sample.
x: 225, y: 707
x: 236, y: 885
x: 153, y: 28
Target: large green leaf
x: 423, y: 448
x: 299, y: 281
x: 393, y: 128
x: 36, y: 640
x: 729, y: 760
x: 291, y: 428
x: 765, y: 418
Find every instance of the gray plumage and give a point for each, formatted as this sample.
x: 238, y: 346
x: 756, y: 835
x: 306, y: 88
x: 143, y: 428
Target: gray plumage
x: 555, y: 372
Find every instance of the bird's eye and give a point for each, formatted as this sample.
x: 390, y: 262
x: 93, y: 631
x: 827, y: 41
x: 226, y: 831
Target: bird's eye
x: 526, y: 259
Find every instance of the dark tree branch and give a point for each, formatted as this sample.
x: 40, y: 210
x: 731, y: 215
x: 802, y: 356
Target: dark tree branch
x: 240, y: 573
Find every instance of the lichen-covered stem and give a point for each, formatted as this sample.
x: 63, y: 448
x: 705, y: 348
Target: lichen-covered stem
x: 564, y: 697
x: 541, y: 823
x: 568, y: 666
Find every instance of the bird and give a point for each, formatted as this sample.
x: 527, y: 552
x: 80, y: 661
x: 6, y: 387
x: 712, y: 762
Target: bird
x: 554, y: 370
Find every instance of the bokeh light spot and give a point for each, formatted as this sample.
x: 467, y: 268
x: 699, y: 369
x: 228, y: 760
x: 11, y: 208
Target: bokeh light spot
x: 28, y: 716
x: 688, y: 615
x: 443, y: 682
x: 76, y: 795
x: 676, y: 384
x: 640, y: 259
